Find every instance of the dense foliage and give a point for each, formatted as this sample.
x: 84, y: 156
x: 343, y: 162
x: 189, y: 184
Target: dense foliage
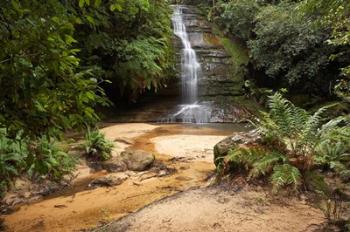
x: 12, y: 159
x: 43, y: 87
x: 128, y: 42
x: 295, y: 144
x: 56, y: 53
x: 59, y: 61
x: 37, y: 159
x: 237, y: 17
x: 300, y: 45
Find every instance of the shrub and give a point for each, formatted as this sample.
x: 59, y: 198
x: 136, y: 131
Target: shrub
x: 260, y: 162
x: 12, y: 158
x: 97, y: 146
x: 237, y: 17
x: 291, y: 49
x: 48, y: 159
x: 295, y: 144
x: 333, y: 150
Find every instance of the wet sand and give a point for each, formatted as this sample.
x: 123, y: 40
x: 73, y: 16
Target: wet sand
x: 87, y: 208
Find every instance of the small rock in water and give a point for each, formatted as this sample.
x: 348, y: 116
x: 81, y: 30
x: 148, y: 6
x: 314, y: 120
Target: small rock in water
x: 137, y: 160
x: 109, y: 180
x: 115, y: 164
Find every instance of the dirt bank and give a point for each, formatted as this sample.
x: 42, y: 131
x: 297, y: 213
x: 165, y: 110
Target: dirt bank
x: 213, y: 209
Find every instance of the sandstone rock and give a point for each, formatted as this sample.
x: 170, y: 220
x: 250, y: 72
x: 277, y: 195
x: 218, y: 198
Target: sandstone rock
x: 222, y: 148
x: 116, y: 164
x: 137, y: 160
x: 109, y: 180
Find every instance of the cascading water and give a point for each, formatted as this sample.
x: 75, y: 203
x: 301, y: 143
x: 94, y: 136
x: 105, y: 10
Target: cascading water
x: 190, y: 111
x: 190, y: 68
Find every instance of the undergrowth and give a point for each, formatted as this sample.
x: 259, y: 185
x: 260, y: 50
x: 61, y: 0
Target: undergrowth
x: 297, y: 146
x: 97, y: 146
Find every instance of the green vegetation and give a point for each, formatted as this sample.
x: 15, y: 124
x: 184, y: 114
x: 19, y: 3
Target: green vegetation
x: 295, y: 144
x: 60, y: 61
x: 237, y: 51
x: 47, y: 159
x: 236, y: 17
x: 302, y: 46
x: 97, y: 146
x: 12, y: 159
x: 42, y: 158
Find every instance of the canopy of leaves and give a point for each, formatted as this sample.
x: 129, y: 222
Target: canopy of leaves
x: 43, y: 87
x: 237, y: 17
x: 57, y: 57
x: 291, y: 49
x: 55, y: 54
x: 128, y: 41
x: 300, y: 45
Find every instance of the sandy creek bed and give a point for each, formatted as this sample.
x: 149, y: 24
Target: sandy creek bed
x: 188, y: 150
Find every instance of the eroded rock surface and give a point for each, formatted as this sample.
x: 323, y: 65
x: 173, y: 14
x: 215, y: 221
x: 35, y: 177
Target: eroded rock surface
x: 137, y: 160
x: 116, y: 164
x: 109, y: 180
x: 222, y: 148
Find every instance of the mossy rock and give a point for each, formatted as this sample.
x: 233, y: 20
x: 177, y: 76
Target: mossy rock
x: 222, y: 148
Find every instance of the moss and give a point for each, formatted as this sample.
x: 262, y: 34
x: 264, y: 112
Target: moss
x: 236, y: 50
x: 251, y: 105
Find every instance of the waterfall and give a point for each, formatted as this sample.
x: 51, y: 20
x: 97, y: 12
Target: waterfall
x: 190, y: 111
x: 190, y: 68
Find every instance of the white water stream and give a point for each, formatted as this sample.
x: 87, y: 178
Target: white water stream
x: 190, y: 67
x: 190, y: 111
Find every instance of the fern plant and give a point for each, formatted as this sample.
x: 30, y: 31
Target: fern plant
x: 12, y: 158
x: 259, y: 162
x: 285, y: 175
x: 97, y: 146
x: 294, y: 142
x: 47, y: 159
x: 334, y: 156
x: 297, y: 131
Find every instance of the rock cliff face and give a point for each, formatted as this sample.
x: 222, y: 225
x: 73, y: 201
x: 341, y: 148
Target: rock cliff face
x: 217, y: 85
x: 217, y: 77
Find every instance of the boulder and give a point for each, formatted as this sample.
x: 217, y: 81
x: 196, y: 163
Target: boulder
x: 137, y: 160
x: 109, y: 180
x: 116, y: 164
x: 222, y: 148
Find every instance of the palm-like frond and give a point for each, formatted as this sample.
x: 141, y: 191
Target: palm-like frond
x: 97, y: 146
x: 310, y: 131
x: 243, y: 157
x: 286, y: 116
x: 293, y: 140
x: 284, y: 175
x: 265, y: 165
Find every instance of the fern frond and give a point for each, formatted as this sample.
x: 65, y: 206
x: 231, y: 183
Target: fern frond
x: 281, y: 112
x: 244, y: 156
x: 284, y: 175
x: 337, y: 129
x: 310, y: 132
x: 265, y: 165
x: 284, y: 119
